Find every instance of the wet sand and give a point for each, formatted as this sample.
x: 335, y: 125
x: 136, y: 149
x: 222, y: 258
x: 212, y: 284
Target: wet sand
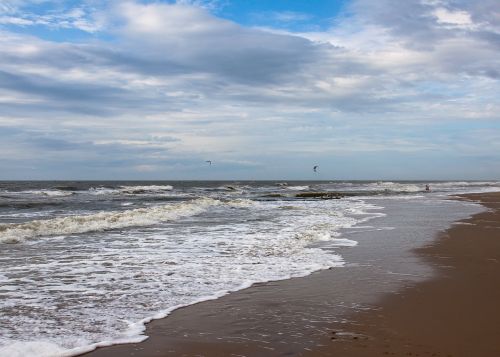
x: 340, y: 312
x: 455, y: 314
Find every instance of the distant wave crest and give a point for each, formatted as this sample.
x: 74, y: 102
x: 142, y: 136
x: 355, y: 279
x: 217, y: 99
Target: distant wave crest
x: 131, y: 190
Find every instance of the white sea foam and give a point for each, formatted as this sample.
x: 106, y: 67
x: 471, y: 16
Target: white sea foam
x: 447, y: 186
x: 145, y: 272
x: 32, y: 348
x: 15, y: 233
x: 296, y: 188
x: 315, y: 235
x: 343, y: 242
x: 131, y: 190
x: 45, y: 192
x: 145, y: 189
x: 241, y: 202
x: 395, y: 187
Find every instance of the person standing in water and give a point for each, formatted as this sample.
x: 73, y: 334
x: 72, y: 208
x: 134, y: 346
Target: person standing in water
x: 427, y: 188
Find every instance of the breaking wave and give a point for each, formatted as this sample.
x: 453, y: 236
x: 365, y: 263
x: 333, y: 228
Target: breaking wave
x: 46, y: 192
x: 296, y: 188
x: 145, y: 189
x: 130, y: 190
x: 19, y: 232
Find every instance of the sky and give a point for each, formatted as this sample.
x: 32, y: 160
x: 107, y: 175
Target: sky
x: 381, y: 90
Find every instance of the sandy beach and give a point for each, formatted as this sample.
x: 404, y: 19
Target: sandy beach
x: 446, y: 305
x: 455, y: 314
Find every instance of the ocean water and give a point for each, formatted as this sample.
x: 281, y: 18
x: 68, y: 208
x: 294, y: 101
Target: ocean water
x: 86, y: 264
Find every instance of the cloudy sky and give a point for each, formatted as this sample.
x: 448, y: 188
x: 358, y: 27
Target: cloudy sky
x: 365, y: 89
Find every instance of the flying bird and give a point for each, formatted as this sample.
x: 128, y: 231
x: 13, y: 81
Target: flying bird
x: 315, y: 168
x: 209, y: 162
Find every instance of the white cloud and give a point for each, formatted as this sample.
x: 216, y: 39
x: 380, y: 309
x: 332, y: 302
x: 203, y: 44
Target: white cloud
x: 85, y: 17
x: 166, y: 20
x: 455, y: 18
x: 177, y: 83
x: 11, y: 20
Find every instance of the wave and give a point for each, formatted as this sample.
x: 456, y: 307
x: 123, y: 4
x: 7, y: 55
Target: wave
x: 28, y: 204
x: 45, y: 192
x: 19, y: 232
x: 396, y: 187
x: 446, y: 186
x: 145, y: 189
x: 241, y: 203
x: 102, y: 191
x: 327, y: 233
x: 130, y: 190
x: 296, y: 188
x: 313, y: 236
x: 466, y: 183
x: 344, y: 242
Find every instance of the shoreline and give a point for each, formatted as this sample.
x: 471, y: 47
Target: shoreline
x: 230, y: 325
x: 454, y: 314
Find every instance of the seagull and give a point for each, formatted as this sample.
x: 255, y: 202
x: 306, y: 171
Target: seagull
x: 315, y: 168
x: 209, y: 162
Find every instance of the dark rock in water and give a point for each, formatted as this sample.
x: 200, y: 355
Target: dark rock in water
x: 320, y: 195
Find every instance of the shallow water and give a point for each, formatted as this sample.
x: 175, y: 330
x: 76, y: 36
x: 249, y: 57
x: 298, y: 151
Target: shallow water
x: 91, y: 262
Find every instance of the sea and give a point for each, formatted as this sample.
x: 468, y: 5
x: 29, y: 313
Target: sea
x: 85, y: 264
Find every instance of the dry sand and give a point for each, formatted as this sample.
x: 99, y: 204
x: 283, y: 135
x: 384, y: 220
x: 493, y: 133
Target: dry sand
x: 455, y: 314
